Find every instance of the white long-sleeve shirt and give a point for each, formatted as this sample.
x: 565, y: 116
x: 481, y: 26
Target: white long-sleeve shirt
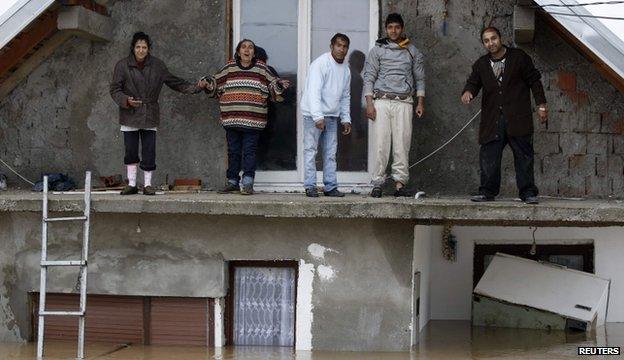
x: 327, y: 90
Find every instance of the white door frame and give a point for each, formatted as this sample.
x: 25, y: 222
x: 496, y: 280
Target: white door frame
x: 293, y: 179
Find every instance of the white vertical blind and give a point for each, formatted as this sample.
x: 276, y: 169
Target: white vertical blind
x: 264, y: 306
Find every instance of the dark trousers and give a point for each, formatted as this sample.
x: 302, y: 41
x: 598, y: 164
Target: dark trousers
x: 148, y: 148
x: 490, y: 161
x: 242, y: 145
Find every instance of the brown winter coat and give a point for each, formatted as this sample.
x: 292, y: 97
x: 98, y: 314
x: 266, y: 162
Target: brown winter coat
x: 512, y: 98
x: 145, y: 85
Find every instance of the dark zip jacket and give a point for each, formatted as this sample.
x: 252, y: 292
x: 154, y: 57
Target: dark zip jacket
x: 511, y: 98
x: 145, y: 85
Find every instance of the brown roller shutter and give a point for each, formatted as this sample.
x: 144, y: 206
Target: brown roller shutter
x: 179, y: 321
x: 115, y: 319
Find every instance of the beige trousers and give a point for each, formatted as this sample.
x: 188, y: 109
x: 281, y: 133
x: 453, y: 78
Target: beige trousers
x: 392, y: 130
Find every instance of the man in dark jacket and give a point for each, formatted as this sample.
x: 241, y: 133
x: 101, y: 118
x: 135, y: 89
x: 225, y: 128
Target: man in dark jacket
x: 507, y: 76
x: 136, y: 85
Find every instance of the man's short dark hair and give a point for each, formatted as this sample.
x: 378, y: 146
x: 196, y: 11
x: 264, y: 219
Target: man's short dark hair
x: 261, y: 54
x: 137, y: 37
x: 490, y: 28
x: 342, y: 37
x: 394, y: 18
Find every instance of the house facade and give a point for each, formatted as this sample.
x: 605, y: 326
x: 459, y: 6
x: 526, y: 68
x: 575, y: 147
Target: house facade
x: 348, y: 274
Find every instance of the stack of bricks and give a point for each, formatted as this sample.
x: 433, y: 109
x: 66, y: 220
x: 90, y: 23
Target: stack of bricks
x: 580, y: 150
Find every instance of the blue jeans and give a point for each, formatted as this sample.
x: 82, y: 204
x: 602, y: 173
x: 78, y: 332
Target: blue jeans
x: 329, y: 143
x: 242, y: 146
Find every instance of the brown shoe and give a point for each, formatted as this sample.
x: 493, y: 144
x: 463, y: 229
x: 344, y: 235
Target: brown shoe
x: 229, y: 189
x: 247, y: 190
x: 129, y: 190
x: 148, y: 190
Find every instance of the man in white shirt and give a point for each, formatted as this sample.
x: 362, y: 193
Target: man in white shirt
x: 326, y: 100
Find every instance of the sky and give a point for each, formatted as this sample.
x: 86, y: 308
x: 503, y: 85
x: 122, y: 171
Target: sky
x: 5, y: 5
x: 614, y: 10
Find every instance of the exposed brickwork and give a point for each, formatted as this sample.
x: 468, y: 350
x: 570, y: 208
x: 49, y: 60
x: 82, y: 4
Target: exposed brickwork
x: 567, y: 81
x: 587, y: 157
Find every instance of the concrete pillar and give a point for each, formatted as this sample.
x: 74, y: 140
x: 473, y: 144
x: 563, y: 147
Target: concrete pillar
x: 523, y: 24
x: 219, y: 323
x: 85, y: 23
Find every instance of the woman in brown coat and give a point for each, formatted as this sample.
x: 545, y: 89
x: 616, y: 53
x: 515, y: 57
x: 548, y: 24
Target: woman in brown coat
x: 136, y: 85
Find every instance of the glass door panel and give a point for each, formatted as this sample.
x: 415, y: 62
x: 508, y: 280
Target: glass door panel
x: 272, y: 25
x: 352, y: 18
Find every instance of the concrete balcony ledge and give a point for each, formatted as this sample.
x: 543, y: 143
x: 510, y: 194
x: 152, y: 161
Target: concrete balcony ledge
x: 432, y: 210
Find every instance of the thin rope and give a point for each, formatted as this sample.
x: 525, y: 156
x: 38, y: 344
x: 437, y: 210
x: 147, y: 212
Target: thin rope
x: 586, y: 16
x: 448, y: 141
x: 16, y: 173
x: 580, y: 4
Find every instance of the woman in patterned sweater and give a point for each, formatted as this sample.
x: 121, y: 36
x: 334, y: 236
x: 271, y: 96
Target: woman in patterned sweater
x: 243, y: 87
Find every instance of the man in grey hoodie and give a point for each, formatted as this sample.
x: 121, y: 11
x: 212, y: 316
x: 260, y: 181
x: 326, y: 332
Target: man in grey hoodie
x: 393, y: 74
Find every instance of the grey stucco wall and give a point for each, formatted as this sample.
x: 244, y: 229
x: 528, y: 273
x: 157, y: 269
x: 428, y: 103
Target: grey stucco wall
x: 61, y: 117
x: 366, y: 305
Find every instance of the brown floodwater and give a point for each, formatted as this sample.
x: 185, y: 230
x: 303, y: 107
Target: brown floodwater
x: 440, y: 340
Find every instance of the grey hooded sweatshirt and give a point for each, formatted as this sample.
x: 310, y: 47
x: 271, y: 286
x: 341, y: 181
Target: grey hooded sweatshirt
x: 394, y: 69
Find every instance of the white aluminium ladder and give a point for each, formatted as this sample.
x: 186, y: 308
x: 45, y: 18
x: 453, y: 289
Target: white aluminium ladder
x: 82, y: 264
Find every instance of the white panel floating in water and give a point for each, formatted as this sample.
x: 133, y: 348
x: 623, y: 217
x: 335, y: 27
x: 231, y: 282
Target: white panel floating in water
x: 522, y: 293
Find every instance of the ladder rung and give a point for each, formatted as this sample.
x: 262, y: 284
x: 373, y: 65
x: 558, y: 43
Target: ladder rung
x: 63, y: 263
x: 75, y: 218
x: 61, y: 313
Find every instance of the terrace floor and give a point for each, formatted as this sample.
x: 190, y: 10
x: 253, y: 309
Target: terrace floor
x: 428, y: 210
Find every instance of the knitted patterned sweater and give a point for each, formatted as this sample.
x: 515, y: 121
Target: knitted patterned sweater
x: 243, y: 93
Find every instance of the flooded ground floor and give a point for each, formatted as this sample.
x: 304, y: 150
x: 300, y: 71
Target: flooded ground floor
x: 440, y: 340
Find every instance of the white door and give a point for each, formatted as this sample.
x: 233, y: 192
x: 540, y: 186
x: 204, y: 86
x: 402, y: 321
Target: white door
x: 293, y: 33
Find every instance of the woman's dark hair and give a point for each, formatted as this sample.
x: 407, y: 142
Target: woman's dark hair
x: 240, y: 43
x: 140, y: 36
x: 490, y: 28
x: 394, y: 18
x: 342, y: 37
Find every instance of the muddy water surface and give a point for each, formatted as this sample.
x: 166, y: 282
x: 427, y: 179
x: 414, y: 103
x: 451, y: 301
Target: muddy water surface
x: 440, y: 340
